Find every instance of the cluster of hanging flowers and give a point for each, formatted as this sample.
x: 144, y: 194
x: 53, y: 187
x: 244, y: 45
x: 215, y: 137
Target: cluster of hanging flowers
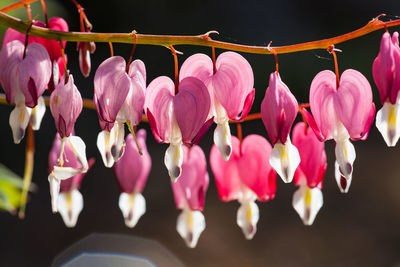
x: 180, y: 112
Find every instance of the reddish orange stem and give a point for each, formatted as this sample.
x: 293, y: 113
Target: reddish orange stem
x: 66, y: 76
x: 44, y: 12
x: 276, y: 60
x: 28, y: 11
x: 331, y: 50
x: 176, y: 69
x: 132, y: 52
x: 16, y: 5
x: 111, y: 49
x: 213, y: 59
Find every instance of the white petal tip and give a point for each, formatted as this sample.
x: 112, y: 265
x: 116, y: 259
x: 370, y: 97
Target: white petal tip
x: 307, y: 202
x: 342, y: 182
x: 173, y: 160
x: 247, y: 218
x: 70, y: 205
x: 190, y: 225
x: 285, y: 159
x: 222, y: 139
x: 388, y: 123
x: 132, y: 206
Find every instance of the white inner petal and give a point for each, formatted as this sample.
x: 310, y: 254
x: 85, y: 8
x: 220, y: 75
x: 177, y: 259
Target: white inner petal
x: 247, y: 218
x: 284, y: 159
x: 190, y: 224
x: 307, y: 202
x: 105, y: 141
x: 54, y: 191
x: 70, y: 205
x: 38, y: 113
x: 345, y: 156
x: 343, y: 183
x: 388, y: 122
x: 133, y: 206
x: 19, y: 119
x: 117, y: 148
x: 222, y: 139
x: 173, y: 160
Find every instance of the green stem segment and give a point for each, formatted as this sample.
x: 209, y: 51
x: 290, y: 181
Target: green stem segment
x: 134, y: 137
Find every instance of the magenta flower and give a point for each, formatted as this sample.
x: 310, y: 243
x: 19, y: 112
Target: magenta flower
x: 231, y: 89
x: 386, y: 73
x: 189, y: 193
x: 119, y: 98
x: 278, y: 111
x: 24, y: 79
x: 341, y: 113
x: 246, y: 176
x: 308, y: 200
x: 132, y: 171
x: 177, y: 119
x: 52, y: 46
x: 67, y: 159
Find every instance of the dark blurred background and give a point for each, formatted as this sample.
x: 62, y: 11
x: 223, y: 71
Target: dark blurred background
x: 360, y: 228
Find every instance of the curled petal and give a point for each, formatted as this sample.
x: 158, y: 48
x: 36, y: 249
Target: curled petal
x: 190, y: 225
x: 54, y: 191
x: 284, y: 159
x: 247, y: 218
x: 222, y: 139
x: 322, y: 92
x: 313, y: 125
x: 19, y: 119
x: 388, y: 122
x: 345, y: 156
x: 70, y: 205
x: 342, y: 182
x: 307, y: 202
x: 133, y: 206
x: 248, y: 103
x: 191, y: 106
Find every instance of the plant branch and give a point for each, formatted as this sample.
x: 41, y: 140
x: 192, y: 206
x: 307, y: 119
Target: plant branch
x: 199, y: 40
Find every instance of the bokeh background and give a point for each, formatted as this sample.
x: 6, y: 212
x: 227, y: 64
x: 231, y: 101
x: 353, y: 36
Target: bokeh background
x: 361, y: 228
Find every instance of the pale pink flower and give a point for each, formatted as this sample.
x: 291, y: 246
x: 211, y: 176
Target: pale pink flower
x: 230, y: 87
x: 177, y: 119
x: 132, y: 171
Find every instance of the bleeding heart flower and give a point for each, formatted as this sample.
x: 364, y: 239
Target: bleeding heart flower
x: 308, y: 200
x: 189, y: 194
x: 52, y: 46
x: 85, y: 49
x: 179, y: 118
x: 67, y: 159
x: 341, y: 113
x: 119, y: 98
x: 278, y: 111
x: 24, y: 79
x: 132, y: 171
x: 70, y: 200
x: 386, y: 73
x: 246, y: 176
x: 231, y: 89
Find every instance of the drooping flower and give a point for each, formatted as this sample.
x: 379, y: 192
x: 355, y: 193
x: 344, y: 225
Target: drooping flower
x: 386, y: 73
x: 308, y: 199
x: 24, y: 76
x: 278, y: 111
x: 70, y: 200
x: 85, y: 49
x: 132, y: 171
x: 230, y: 86
x: 52, y: 46
x: 189, y: 193
x: 246, y: 176
x: 179, y: 118
x: 119, y: 98
x: 340, y: 113
x: 71, y: 151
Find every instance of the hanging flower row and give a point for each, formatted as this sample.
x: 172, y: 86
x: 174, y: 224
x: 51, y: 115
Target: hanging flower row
x: 181, y: 111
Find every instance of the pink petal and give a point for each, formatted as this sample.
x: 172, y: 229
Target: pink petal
x: 322, y: 92
x: 12, y: 35
x: 313, y: 125
x: 10, y: 58
x: 34, y: 73
x: 65, y: 106
x: 192, y: 185
x: 159, y: 101
x: 254, y: 168
x: 232, y: 82
x: 369, y: 123
x: 111, y: 87
x: 132, y: 170
x: 353, y: 102
x: 192, y: 106
x: 247, y: 106
x: 312, y: 154
x: 199, y: 66
x: 226, y: 173
x: 203, y: 131
x: 278, y: 109
x: 395, y: 88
